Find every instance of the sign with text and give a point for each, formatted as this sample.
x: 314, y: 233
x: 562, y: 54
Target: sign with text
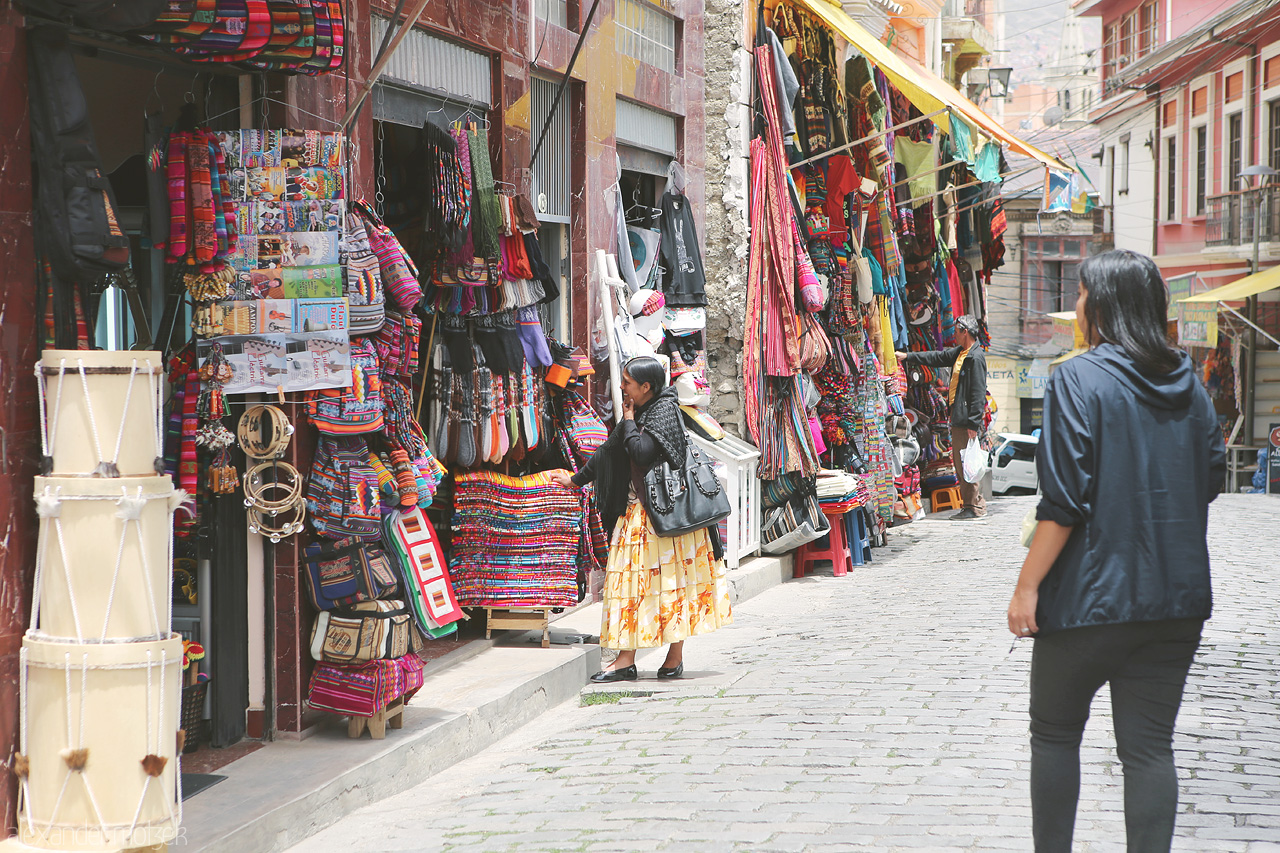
x: 1198, y: 324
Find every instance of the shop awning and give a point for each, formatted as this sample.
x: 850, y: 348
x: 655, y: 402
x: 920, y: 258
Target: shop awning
x: 1250, y: 285
x: 928, y: 92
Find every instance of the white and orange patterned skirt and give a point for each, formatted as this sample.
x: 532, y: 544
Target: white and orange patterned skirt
x: 660, y: 589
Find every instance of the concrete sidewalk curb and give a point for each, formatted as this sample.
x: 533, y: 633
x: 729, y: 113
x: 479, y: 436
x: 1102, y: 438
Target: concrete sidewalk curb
x: 277, y: 796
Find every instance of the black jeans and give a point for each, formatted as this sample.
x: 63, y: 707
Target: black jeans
x: 1146, y: 664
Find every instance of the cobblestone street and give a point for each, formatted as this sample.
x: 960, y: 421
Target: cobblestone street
x: 875, y: 712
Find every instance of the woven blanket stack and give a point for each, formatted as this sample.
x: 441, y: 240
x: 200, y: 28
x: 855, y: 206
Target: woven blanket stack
x: 516, y: 541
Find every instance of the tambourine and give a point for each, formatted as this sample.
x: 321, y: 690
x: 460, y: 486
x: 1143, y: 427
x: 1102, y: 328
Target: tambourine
x: 264, y: 432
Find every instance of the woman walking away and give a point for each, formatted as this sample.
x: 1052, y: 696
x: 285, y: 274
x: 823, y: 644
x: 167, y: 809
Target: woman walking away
x: 657, y: 589
x: 1115, y: 587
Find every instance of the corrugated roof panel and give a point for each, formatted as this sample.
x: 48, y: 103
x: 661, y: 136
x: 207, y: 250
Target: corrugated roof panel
x: 441, y: 66
x: 646, y: 128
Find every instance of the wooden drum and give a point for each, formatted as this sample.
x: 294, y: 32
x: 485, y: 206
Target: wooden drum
x: 98, y: 768
x: 101, y: 412
x: 103, y: 566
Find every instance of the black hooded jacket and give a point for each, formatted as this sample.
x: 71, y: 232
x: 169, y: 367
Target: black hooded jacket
x: 1130, y: 461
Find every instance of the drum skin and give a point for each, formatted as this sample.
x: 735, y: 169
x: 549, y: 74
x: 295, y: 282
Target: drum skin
x: 117, y: 412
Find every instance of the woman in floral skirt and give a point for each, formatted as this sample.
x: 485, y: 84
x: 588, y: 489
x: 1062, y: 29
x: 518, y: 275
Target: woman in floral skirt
x: 657, y: 589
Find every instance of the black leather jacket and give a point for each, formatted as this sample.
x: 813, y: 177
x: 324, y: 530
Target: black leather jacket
x: 1130, y: 461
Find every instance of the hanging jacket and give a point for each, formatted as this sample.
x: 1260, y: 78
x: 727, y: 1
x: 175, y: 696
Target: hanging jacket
x: 684, y: 280
x: 1130, y: 461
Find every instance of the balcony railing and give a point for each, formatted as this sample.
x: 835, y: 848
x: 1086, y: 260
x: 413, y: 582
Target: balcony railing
x: 1229, y: 217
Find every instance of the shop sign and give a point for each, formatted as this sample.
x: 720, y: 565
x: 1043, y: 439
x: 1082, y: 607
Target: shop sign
x: 1198, y: 324
x: 1180, y: 287
x: 1066, y: 331
x: 1033, y: 378
x: 1273, y: 461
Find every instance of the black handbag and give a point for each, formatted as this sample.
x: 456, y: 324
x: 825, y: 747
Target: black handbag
x: 683, y: 500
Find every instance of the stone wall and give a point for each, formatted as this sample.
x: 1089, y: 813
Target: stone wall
x: 728, y: 89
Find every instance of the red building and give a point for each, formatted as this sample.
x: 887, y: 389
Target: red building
x: 1190, y: 116
x: 634, y: 96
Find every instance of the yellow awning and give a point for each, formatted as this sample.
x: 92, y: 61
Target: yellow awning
x: 924, y: 89
x: 1250, y: 285
x: 1067, y: 356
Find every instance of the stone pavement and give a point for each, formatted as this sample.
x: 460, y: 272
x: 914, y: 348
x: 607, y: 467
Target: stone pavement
x: 875, y: 712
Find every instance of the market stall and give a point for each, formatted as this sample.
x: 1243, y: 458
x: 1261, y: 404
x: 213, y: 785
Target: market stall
x: 876, y: 221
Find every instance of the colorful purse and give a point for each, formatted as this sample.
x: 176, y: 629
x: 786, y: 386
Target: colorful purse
x: 342, y: 491
x: 586, y: 432
x: 346, y: 572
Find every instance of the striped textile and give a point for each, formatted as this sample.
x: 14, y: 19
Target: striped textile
x: 363, y: 690
x: 516, y: 541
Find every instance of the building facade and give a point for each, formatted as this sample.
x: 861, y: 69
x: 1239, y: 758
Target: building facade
x: 633, y: 98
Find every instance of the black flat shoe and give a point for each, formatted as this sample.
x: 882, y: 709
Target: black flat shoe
x: 671, y: 672
x: 605, y: 676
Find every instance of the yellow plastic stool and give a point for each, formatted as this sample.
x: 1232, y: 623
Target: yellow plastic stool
x: 948, y: 498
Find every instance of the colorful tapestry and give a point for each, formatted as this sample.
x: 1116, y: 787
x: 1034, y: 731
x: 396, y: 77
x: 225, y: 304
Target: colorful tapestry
x: 516, y: 541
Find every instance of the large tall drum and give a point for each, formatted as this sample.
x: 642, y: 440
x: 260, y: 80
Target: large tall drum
x: 103, y: 568
x: 101, y: 412
x: 97, y: 768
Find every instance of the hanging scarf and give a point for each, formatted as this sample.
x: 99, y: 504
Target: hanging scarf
x: 955, y: 376
x: 484, y: 206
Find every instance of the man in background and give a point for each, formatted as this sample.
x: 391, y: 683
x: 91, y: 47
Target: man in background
x: 967, y: 400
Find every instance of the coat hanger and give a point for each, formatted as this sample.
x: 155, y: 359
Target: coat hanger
x: 644, y: 210
x: 155, y: 90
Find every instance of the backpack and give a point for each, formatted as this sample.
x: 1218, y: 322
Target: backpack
x: 347, y: 572
x: 354, y: 410
x: 370, y: 630
x: 342, y: 491
x: 76, y: 213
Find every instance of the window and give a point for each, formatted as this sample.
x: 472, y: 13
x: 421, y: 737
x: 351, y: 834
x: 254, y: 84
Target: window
x: 1123, y: 167
x: 1273, y: 134
x: 553, y: 12
x: 1111, y: 175
x: 1199, y: 101
x: 1109, y: 44
x: 1235, y: 149
x: 1170, y: 114
x: 1126, y: 42
x: 1050, y: 273
x: 1171, y: 178
x: 643, y: 32
x: 1147, y: 30
x: 1202, y: 174
x: 1234, y: 86
x: 1271, y: 72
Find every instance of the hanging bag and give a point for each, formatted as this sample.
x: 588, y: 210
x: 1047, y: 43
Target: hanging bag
x: 585, y: 431
x: 370, y: 630
x: 346, y: 572
x: 682, y: 500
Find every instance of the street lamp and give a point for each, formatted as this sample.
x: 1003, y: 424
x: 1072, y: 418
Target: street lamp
x: 1262, y: 173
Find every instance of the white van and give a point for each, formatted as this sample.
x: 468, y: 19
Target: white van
x: 1013, y: 463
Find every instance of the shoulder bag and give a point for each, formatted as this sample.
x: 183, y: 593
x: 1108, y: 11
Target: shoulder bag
x: 682, y: 500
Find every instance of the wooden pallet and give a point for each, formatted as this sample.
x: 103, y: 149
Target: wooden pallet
x: 530, y: 619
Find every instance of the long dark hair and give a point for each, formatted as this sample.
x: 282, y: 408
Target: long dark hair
x: 1128, y: 305
x: 645, y: 369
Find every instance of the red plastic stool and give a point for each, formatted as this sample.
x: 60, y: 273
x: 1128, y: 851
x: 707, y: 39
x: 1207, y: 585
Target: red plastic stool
x: 836, y: 550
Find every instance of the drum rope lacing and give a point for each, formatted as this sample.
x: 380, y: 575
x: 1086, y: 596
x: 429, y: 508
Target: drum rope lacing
x: 49, y: 421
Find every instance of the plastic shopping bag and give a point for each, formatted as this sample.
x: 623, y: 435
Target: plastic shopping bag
x: 974, y: 460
